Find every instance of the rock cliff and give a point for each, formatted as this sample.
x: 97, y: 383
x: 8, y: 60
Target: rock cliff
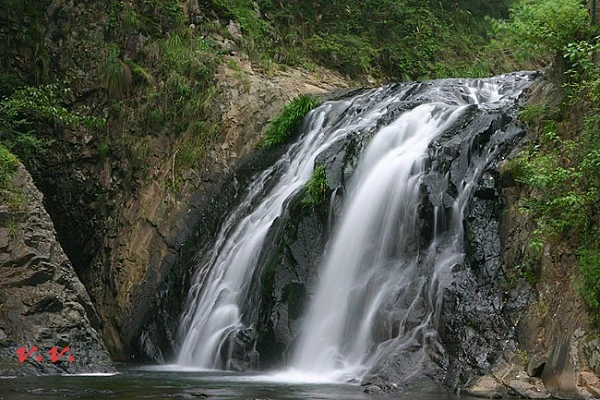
x: 42, y: 302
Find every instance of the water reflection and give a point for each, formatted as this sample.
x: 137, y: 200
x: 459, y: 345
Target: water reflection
x: 167, y: 383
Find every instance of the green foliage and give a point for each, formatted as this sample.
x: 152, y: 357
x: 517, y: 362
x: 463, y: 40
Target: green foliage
x: 542, y: 28
x: 8, y: 165
x: 140, y: 71
x: 533, y: 113
x: 153, y: 18
x: 103, y: 149
x: 580, y: 58
x: 191, y: 152
x: 186, y: 63
x: 130, y: 21
x: 347, y: 53
x: 287, y: 123
x: 379, y: 36
x: 563, y: 171
x: 255, y: 30
x: 317, y: 188
x: 29, y: 109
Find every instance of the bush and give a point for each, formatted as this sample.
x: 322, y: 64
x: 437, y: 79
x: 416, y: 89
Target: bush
x: 287, y: 123
x: 544, y: 27
x: 115, y: 74
x: 562, y: 169
x: 28, y: 108
x: 346, y: 53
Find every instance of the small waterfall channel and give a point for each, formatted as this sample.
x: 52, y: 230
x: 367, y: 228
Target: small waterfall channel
x: 395, y: 242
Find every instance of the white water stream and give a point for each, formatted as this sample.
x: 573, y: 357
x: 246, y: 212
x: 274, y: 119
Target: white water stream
x: 220, y: 287
x: 379, y: 290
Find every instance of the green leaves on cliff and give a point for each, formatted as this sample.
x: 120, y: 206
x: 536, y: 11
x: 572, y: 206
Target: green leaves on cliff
x: 562, y: 170
x: 562, y: 167
x: 542, y: 28
x: 395, y: 39
x: 31, y: 109
x: 288, y: 122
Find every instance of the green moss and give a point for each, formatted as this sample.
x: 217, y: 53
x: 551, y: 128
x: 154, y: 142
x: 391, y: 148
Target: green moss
x: 287, y: 123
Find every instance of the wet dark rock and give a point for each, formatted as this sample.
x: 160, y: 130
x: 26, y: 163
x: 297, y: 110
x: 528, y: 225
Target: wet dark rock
x: 404, y: 369
x: 157, y: 340
x: 240, y: 351
x: 290, y: 278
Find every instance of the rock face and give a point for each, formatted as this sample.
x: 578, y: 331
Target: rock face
x: 210, y: 191
x: 42, y: 301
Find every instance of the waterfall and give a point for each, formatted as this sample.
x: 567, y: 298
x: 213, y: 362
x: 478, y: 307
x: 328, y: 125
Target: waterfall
x: 386, y: 265
x: 373, y: 261
x: 220, y: 286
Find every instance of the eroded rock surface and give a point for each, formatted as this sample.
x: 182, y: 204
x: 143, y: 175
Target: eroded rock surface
x: 42, y: 301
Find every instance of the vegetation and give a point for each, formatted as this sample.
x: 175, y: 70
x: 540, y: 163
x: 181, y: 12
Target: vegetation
x: 8, y: 165
x: 27, y: 109
x: 540, y: 29
x: 562, y: 168
x: 287, y: 123
x: 378, y: 37
x: 317, y: 188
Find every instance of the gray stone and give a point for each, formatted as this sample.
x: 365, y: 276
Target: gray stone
x: 592, y: 352
x: 536, y: 365
x: 527, y: 390
x: 37, y: 298
x: 487, y: 387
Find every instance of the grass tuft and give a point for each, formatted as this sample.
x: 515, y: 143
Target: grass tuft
x: 317, y: 188
x: 287, y: 123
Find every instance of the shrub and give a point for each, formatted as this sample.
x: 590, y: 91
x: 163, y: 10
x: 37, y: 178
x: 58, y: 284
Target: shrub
x: 288, y: 122
x: 27, y: 108
x: 544, y: 27
x: 347, y: 53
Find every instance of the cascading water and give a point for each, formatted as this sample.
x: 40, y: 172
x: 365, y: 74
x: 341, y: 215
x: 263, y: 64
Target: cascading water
x: 373, y: 261
x: 213, y: 311
x: 384, y: 269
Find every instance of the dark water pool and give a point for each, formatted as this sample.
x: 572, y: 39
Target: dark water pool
x: 145, y: 383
